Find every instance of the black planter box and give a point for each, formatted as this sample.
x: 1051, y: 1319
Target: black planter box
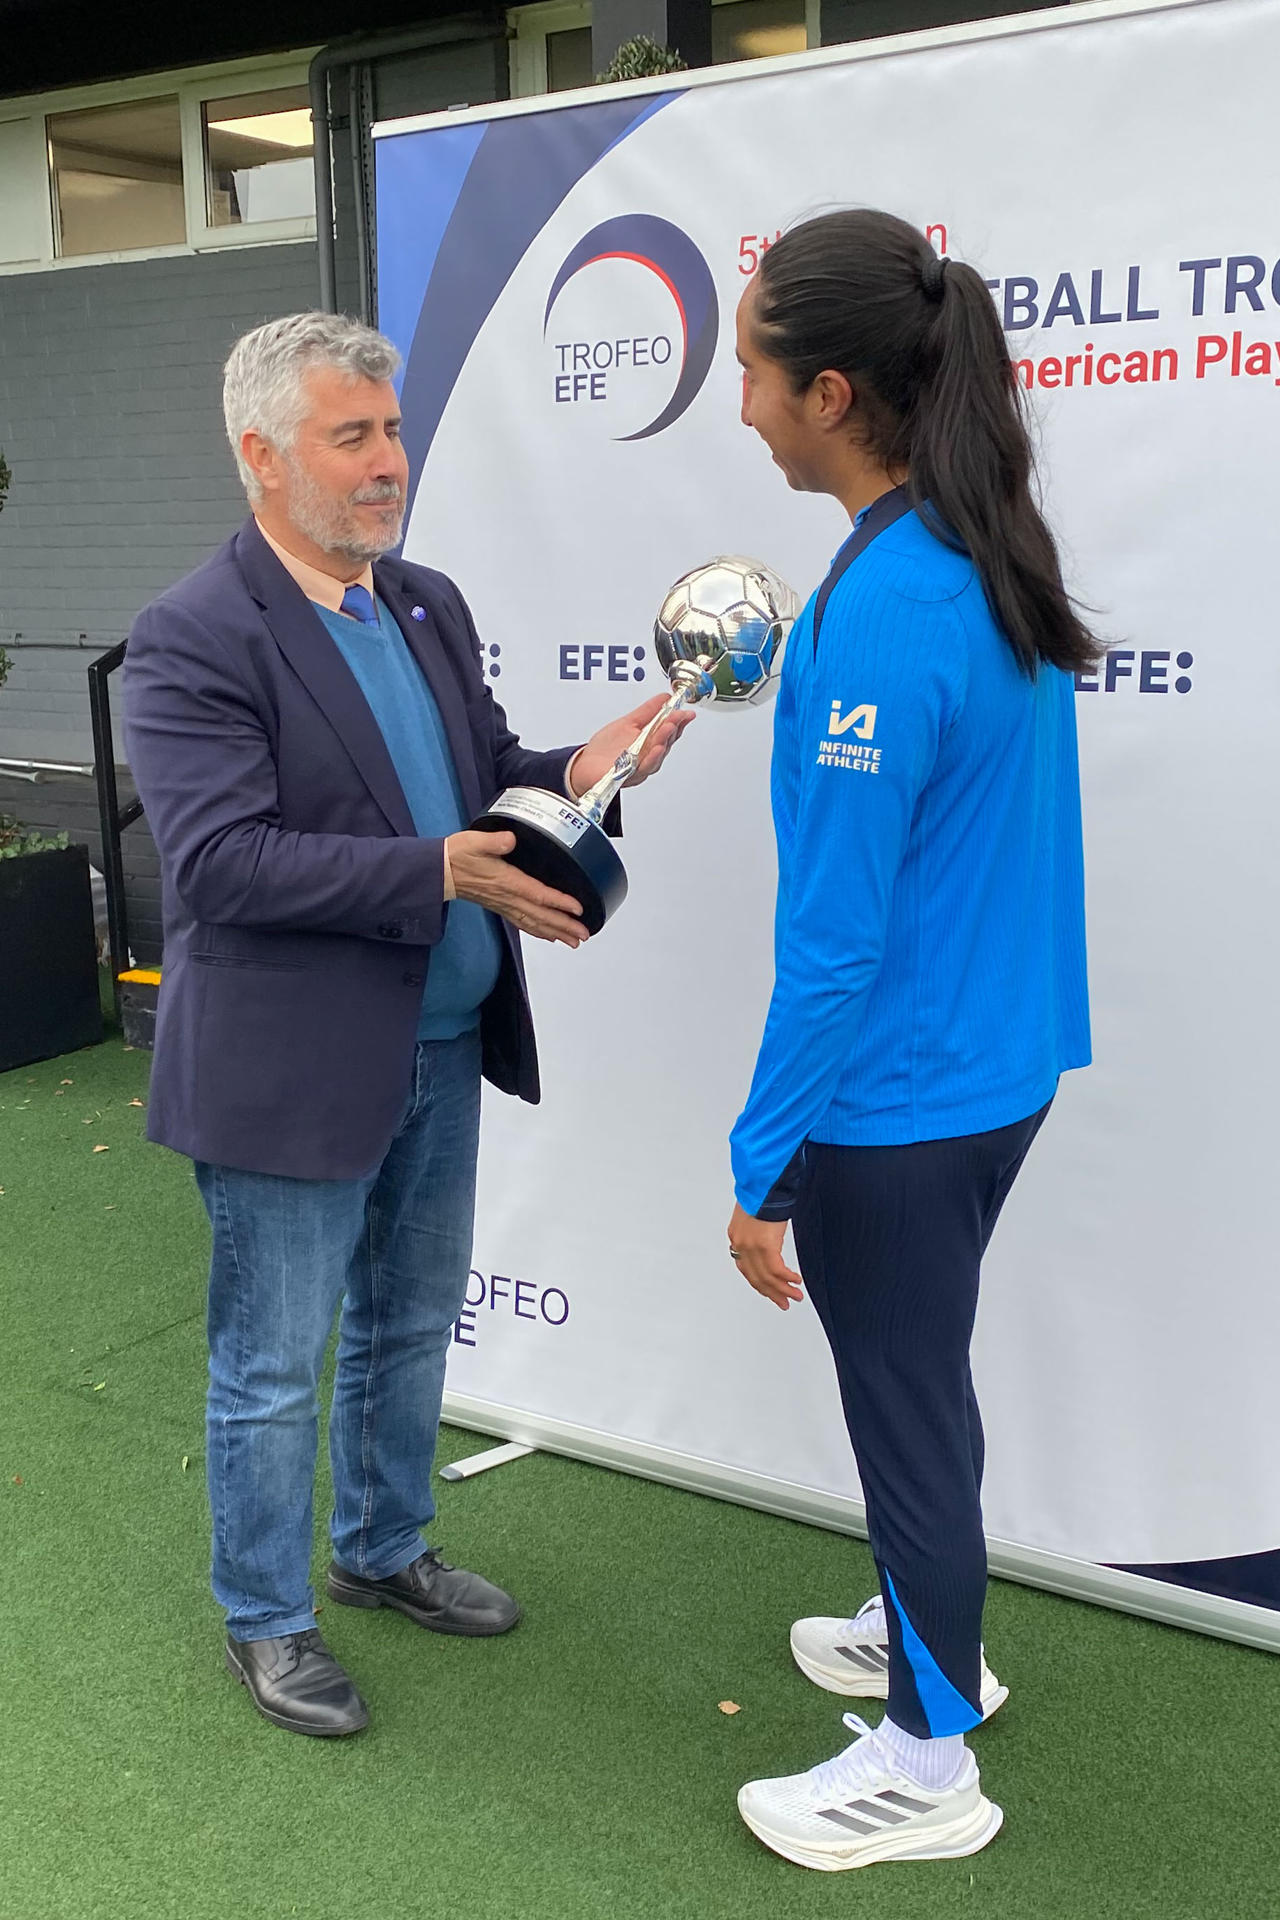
x: 48, y: 957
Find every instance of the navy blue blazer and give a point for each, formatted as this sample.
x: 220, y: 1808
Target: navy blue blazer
x: 300, y: 906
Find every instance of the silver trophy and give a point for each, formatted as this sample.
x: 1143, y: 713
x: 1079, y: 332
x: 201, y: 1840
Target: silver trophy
x: 720, y: 636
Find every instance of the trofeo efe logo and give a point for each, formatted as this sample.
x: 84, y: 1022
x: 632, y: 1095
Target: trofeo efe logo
x: 583, y: 368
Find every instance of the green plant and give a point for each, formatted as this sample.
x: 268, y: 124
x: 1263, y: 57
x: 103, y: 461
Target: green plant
x: 16, y: 839
x: 640, y: 59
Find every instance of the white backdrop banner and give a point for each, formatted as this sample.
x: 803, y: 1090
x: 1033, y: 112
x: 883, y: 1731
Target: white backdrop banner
x: 561, y: 278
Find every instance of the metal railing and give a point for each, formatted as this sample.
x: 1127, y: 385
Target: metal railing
x: 32, y: 769
x: 112, y: 817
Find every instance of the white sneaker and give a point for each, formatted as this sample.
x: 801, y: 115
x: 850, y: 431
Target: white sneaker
x: 860, y: 1808
x: 852, y: 1656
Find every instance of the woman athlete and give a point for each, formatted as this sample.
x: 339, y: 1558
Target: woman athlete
x: 930, y: 965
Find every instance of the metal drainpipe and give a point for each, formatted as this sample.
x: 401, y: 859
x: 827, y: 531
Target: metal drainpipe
x: 352, y: 53
x: 358, y: 93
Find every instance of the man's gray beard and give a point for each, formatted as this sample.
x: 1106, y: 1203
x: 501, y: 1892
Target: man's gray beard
x: 331, y: 524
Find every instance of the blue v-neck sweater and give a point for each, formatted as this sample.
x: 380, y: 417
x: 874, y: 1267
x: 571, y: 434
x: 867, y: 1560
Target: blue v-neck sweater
x: 462, y: 968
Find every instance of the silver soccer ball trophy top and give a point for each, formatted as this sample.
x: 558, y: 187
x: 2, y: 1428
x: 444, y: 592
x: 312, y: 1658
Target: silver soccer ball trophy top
x: 730, y: 620
x: 720, y: 637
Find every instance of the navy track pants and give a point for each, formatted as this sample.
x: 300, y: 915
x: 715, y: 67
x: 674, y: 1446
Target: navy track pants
x: 890, y: 1242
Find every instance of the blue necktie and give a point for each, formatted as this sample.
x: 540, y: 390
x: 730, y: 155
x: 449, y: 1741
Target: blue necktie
x: 358, y: 602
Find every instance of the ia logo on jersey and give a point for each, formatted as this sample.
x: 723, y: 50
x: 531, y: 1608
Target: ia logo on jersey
x: 846, y: 744
x: 861, y: 721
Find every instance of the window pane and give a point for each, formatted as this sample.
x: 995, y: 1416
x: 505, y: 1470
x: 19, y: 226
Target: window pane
x: 258, y: 157
x: 569, y: 59
x: 117, y: 177
x: 750, y: 29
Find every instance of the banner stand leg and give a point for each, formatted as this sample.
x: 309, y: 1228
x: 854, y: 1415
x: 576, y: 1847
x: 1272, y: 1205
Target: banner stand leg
x: 1104, y: 1586
x: 481, y: 1462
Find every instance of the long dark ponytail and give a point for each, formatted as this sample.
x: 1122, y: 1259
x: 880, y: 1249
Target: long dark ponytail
x: 864, y: 294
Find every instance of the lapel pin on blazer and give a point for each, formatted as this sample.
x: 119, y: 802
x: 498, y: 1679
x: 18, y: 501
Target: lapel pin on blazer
x: 418, y: 613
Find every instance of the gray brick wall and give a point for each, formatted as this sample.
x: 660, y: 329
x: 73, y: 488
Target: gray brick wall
x: 110, y: 417
x: 44, y: 712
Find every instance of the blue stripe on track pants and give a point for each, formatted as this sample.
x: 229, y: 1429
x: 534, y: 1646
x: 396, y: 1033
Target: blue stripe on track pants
x: 890, y: 1242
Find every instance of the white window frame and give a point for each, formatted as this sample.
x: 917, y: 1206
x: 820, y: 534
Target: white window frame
x: 192, y: 86
x: 530, y: 26
x: 528, y: 49
x: 191, y: 99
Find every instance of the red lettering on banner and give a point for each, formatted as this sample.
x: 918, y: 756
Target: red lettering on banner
x: 752, y: 247
x: 1235, y: 357
x: 1210, y: 348
x: 1136, y: 369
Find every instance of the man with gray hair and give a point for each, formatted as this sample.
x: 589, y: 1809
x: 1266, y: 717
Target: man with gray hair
x: 311, y: 731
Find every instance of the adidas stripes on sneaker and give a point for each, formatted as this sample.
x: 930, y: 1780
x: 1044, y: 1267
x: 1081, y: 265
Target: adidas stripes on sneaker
x: 852, y: 1656
x: 861, y: 1807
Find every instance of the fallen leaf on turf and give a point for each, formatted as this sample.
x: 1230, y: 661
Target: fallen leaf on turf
x: 102, y: 1149
x: 111, y: 1208
x: 730, y: 1706
x: 135, y: 1103
x: 66, y: 1083
x: 17, y: 1479
x: 186, y: 1461
x: 101, y: 1384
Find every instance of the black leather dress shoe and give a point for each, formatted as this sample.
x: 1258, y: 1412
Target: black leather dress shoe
x: 446, y: 1599
x: 296, y: 1683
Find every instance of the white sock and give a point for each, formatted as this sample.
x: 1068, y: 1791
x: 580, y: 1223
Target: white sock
x: 870, y: 1619
x: 934, y: 1763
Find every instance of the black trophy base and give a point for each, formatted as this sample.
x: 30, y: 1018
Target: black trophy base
x: 561, y: 847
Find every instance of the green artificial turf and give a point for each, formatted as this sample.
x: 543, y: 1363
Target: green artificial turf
x: 578, y: 1769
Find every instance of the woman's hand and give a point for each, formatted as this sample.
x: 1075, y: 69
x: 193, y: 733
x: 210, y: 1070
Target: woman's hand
x: 756, y: 1247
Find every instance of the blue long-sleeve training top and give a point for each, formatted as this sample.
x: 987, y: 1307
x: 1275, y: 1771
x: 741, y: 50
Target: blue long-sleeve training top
x: 929, y: 938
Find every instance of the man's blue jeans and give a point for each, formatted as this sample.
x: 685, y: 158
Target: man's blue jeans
x: 395, y: 1248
